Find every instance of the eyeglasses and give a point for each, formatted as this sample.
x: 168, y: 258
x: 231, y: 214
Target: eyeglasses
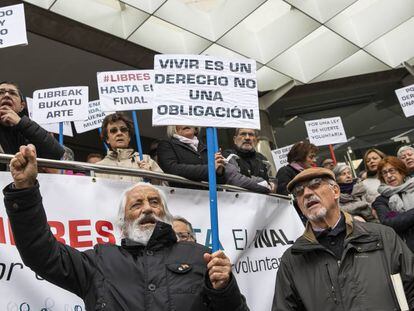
x: 244, y: 134
x: 13, y: 93
x: 391, y: 171
x: 184, y: 236
x: 312, y: 184
x: 122, y: 129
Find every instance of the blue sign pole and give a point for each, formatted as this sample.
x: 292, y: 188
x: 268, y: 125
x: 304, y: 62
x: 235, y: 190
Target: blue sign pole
x: 137, y: 135
x: 212, y: 189
x: 100, y: 133
x: 61, y: 133
x: 216, y: 144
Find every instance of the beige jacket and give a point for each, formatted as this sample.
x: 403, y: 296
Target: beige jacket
x: 128, y: 158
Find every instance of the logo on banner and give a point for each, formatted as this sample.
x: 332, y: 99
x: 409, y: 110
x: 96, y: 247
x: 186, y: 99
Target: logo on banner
x: 326, y: 131
x: 12, y: 26
x: 95, y: 118
x: 125, y: 90
x: 60, y: 104
x: 406, y: 98
x: 280, y: 156
x: 205, y: 91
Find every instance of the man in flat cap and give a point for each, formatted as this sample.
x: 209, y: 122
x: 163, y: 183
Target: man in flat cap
x: 339, y: 263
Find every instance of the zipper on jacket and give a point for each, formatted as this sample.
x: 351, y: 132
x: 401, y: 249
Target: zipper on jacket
x: 332, y: 284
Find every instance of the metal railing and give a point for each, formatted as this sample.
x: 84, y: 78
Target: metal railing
x: 114, y: 170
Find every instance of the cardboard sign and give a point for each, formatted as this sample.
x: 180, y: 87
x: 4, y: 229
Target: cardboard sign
x: 95, y: 118
x: 125, y: 90
x: 52, y: 127
x: 12, y: 26
x: 406, y: 98
x: 60, y: 104
x: 202, y: 90
x: 326, y: 131
x: 280, y: 156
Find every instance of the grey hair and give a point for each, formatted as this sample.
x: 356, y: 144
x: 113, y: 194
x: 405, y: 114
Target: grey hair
x: 120, y: 221
x: 403, y: 149
x: 189, y: 225
x: 172, y: 129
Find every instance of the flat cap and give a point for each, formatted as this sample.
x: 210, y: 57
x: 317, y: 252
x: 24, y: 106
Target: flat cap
x: 310, y: 173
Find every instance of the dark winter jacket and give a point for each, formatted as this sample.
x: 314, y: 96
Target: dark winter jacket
x: 311, y: 278
x: 28, y: 131
x: 284, y: 175
x: 401, y: 222
x: 164, y: 275
x: 178, y: 158
x: 250, y: 163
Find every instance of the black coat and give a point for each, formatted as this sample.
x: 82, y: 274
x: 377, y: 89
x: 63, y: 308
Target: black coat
x: 175, y: 157
x: 29, y: 132
x: 164, y: 275
x: 402, y: 223
x: 284, y: 175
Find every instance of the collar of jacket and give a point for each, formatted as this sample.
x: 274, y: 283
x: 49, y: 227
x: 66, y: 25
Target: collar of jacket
x: 120, y: 154
x: 201, y: 146
x: 354, y: 231
x: 163, y: 236
x: 245, y: 153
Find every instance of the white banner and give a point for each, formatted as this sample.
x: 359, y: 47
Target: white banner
x: 406, y: 98
x: 95, y: 118
x: 202, y: 90
x: 125, y: 90
x: 52, y: 127
x: 255, y: 230
x: 12, y: 26
x: 280, y: 156
x: 60, y: 104
x: 326, y: 131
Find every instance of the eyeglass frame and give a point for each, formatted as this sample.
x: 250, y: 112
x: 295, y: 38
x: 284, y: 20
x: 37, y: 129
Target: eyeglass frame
x: 115, y: 129
x: 306, y: 184
x: 13, y: 93
x: 391, y: 171
x: 185, y: 236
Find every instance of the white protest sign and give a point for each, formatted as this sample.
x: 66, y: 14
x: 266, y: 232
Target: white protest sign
x: 60, y: 104
x: 125, y: 90
x: 95, y: 118
x: 326, y: 131
x: 406, y: 98
x: 52, y: 127
x: 205, y: 91
x: 280, y: 156
x: 12, y: 26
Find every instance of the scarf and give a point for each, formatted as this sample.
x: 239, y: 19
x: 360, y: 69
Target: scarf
x: 347, y: 188
x: 401, y: 198
x: 192, y: 142
x: 297, y: 166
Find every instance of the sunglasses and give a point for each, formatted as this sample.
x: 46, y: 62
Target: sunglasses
x: 312, y: 184
x: 122, y: 129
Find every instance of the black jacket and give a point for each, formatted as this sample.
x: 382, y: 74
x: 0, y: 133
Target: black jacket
x: 28, y: 131
x: 175, y: 157
x: 310, y: 278
x: 402, y: 223
x: 284, y: 175
x: 164, y: 275
x: 251, y: 163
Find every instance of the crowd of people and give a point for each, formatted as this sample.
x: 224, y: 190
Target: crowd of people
x: 347, y: 217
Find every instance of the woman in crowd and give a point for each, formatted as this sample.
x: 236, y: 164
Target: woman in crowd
x: 395, y: 205
x: 301, y: 156
x: 353, y: 198
x: 372, y: 158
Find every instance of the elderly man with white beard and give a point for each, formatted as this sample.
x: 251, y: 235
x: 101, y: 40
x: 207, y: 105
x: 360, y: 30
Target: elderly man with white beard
x: 148, y: 271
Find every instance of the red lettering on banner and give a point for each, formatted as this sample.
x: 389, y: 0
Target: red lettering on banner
x: 2, y: 232
x: 75, y: 233
x: 99, y: 227
x: 11, y: 234
x: 60, y: 230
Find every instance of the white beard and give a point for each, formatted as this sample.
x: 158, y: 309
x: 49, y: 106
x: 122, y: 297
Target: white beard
x: 320, y: 214
x: 137, y: 233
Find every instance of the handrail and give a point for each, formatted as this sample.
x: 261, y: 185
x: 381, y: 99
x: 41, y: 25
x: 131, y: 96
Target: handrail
x: 114, y: 170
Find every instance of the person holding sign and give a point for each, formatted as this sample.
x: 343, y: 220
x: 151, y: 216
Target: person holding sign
x: 117, y: 131
x: 339, y: 263
x: 17, y: 129
x: 148, y: 271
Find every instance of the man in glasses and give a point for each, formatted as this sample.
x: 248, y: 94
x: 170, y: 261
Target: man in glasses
x: 249, y: 162
x: 117, y: 131
x: 17, y: 129
x: 183, y: 229
x: 339, y: 263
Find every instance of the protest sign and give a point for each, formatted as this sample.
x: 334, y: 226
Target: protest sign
x: 60, y: 104
x: 206, y: 91
x: 406, y: 98
x: 256, y: 230
x: 52, y: 127
x: 326, y: 131
x: 125, y: 90
x: 12, y: 26
x: 95, y: 118
x: 280, y: 156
